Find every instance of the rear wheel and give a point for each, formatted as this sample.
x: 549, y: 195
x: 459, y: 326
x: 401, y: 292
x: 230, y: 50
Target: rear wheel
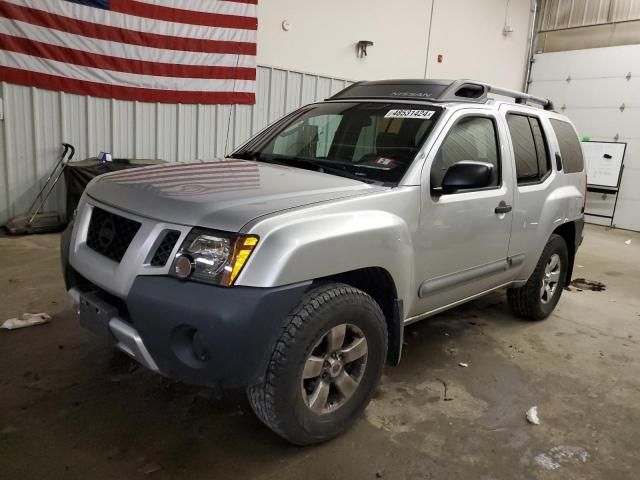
x: 325, y: 366
x: 539, y: 296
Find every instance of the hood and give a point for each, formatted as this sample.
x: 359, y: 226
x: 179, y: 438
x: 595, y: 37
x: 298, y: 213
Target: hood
x: 220, y: 194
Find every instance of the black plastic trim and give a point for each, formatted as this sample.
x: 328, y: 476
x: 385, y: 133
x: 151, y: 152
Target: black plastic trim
x: 207, y: 335
x: 165, y: 248
x: 579, y: 231
x: 396, y: 333
x: 558, y: 161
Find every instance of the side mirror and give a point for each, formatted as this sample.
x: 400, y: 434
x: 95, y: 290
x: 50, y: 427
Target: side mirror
x: 466, y: 174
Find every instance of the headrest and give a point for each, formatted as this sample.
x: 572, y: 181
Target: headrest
x: 386, y: 140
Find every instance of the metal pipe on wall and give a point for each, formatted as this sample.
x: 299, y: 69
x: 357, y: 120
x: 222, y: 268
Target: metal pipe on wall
x: 426, y: 62
x: 532, y: 37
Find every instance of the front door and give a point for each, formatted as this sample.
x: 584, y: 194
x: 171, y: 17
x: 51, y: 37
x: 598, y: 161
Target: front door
x: 463, y: 237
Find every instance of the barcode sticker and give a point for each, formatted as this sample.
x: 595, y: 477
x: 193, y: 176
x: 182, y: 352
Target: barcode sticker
x: 404, y: 113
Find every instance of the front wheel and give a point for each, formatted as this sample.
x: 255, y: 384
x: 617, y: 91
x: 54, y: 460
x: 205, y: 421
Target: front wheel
x: 324, y: 367
x: 536, y: 299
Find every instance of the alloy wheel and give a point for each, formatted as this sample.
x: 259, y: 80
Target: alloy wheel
x: 551, y: 278
x: 334, y: 368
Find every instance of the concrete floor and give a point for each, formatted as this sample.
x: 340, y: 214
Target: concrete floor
x: 72, y: 407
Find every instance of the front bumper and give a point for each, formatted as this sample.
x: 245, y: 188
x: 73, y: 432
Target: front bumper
x: 192, y: 332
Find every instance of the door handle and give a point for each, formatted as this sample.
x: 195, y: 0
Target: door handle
x: 503, y: 208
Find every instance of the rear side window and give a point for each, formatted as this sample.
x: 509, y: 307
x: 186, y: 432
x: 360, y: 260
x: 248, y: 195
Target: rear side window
x: 472, y: 138
x: 570, y: 149
x: 529, y: 147
x: 544, y: 162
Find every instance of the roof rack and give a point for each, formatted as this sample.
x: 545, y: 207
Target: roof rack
x: 520, y: 97
x: 437, y: 91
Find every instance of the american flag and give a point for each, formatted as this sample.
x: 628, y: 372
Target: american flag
x: 171, y: 51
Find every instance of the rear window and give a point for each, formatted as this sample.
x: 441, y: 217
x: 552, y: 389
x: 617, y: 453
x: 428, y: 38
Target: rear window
x: 570, y: 149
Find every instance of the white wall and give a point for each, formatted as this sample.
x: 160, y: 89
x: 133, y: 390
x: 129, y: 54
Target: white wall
x: 324, y: 33
x: 592, y: 100
x: 468, y: 33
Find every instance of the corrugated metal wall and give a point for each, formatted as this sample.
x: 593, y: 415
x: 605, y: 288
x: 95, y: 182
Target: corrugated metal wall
x: 561, y: 14
x: 583, y: 24
x: 36, y: 121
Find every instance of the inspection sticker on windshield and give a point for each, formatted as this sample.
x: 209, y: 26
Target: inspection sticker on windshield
x: 404, y: 113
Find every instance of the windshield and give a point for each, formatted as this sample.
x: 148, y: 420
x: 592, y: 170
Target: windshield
x: 373, y: 141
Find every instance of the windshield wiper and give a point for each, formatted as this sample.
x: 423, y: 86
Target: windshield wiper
x: 256, y: 157
x: 245, y: 155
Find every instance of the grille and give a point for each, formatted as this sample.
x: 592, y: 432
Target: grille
x: 109, y: 234
x: 165, y: 248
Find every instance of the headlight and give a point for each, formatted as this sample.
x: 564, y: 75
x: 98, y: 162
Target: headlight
x: 213, y: 257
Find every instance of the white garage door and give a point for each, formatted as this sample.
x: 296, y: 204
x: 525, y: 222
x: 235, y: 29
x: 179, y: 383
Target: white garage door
x: 599, y: 90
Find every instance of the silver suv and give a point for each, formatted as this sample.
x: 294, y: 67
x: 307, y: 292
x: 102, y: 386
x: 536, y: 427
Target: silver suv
x: 291, y: 267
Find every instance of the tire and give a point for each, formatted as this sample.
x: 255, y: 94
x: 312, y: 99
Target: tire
x: 531, y: 301
x: 294, y: 407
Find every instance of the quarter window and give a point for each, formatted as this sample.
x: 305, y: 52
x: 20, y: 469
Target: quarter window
x: 570, y: 149
x: 471, y: 138
x: 529, y: 148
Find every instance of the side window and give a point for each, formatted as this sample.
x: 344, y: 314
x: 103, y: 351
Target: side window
x: 471, y: 138
x: 327, y: 126
x: 570, y: 149
x: 310, y: 138
x: 529, y: 148
x: 291, y: 141
x: 544, y: 162
x: 366, y: 143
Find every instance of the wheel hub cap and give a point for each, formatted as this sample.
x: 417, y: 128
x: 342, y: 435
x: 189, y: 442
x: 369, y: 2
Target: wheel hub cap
x: 334, y: 367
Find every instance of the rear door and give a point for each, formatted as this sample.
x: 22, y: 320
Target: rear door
x: 528, y: 135
x: 462, y: 242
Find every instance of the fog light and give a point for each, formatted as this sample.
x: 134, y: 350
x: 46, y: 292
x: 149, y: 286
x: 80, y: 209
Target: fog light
x: 183, y: 266
x: 199, y: 347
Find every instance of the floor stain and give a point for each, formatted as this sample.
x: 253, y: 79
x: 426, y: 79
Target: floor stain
x: 584, y: 284
x: 613, y: 274
x: 554, y: 458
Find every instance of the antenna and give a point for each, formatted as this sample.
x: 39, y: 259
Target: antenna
x: 231, y: 106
